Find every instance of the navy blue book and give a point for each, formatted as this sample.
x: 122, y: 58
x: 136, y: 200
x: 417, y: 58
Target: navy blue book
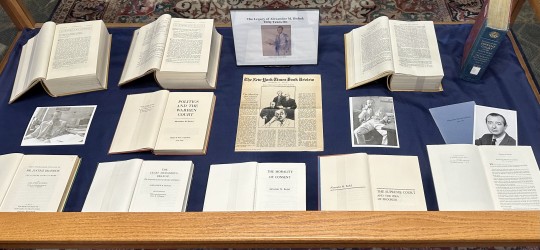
x: 484, y: 39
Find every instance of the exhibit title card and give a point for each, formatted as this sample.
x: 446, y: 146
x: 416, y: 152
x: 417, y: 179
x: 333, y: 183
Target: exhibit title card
x: 275, y: 37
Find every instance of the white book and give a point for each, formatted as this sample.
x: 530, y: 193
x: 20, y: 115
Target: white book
x: 469, y: 177
x: 36, y: 183
x: 253, y: 186
x: 66, y: 59
x: 406, y: 51
x: 370, y: 182
x: 140, y: 186
x: 183, y: 53
x: 165, y: 122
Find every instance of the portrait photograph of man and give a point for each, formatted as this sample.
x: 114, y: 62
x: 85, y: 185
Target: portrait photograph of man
x: 495, y: 126
x: 276, y: 40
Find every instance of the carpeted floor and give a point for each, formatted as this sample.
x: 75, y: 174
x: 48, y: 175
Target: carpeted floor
x: 332, y: 11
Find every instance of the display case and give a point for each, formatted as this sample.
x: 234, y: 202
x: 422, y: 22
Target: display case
x: 307, y: 229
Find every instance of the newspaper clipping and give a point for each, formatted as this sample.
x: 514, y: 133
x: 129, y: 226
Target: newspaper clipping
x: 280, y: 113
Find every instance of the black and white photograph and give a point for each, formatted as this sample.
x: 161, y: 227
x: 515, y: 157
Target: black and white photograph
x: 494, y: 126
x: 276, y: 40
x: 278, y: 107
x: 373, y: 122
x: 61, y: 125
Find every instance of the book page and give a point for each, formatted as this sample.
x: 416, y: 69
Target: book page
x: 41, y: 183
x: 147, y: 49
x: 415, y: 49
x: 281, y: 187
x: 344, y: 183
x: 162, y: 186
x: 74, y: 50
x: 459, y: 178
x: 188, y: 45
x: 372, y: 52
x: 34, y: 60
x: 139, y: 122
x: 186, y: 122
x: 112, y: 186
x: 396, y: 187
x: 513, y: 176
x: 8, y: 167
x: 231, y: 187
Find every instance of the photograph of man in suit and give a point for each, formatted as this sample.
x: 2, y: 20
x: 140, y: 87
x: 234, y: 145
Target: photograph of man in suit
x: 496, y: 124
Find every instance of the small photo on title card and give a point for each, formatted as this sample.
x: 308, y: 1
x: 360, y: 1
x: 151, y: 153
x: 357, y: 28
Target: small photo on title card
x: 275, y: 37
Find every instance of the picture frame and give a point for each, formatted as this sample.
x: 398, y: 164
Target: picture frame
x: 275, y: 37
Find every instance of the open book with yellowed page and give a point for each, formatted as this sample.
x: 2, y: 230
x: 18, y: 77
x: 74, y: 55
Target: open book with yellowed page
x: 170, y: 123
x: 405, y: 52
x: 68, y: 58
x: 36, y: 183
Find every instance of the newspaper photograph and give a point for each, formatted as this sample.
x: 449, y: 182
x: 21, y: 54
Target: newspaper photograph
x: 280, y: 113
x: 373, y: 122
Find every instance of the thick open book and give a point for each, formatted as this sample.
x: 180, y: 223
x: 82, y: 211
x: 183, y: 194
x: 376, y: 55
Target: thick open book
x: 370, y: 182
x: 407, y: 52
x: 183, y: 53
x: 252, y: 186
x: 140, y: 186
x: 36, y: 183
x: 67, y: 59
x: 169, y: 123
x: 469, y: 177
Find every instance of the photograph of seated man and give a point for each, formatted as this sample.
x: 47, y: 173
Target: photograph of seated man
x: 373, y: 122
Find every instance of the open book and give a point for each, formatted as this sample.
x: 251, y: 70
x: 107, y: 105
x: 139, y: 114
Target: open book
x: 407, y: 52
x: 370, y: 182
x: 252, y: 186
x: 140, y: 186
x: 67, y: 59
x: 183, y: 53
x: 36, y: 183
x: 165, y: 122
x: 469, y: 177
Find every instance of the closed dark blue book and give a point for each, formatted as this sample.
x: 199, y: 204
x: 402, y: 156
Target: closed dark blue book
x: 484, y: 39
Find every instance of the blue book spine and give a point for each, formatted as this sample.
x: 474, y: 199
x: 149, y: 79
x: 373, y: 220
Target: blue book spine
x: 481, y: 53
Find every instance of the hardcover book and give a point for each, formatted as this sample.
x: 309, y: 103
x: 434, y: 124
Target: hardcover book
x: 252, y: 186
x: 469, y: 177
x: 183, y: 53
x: 68, y: 58
x: 406, y: 53
x: 484, y: 39
x: 36, y: 183
x: 140, y: 186
x: 169, y: 123
x: 370, y: 183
